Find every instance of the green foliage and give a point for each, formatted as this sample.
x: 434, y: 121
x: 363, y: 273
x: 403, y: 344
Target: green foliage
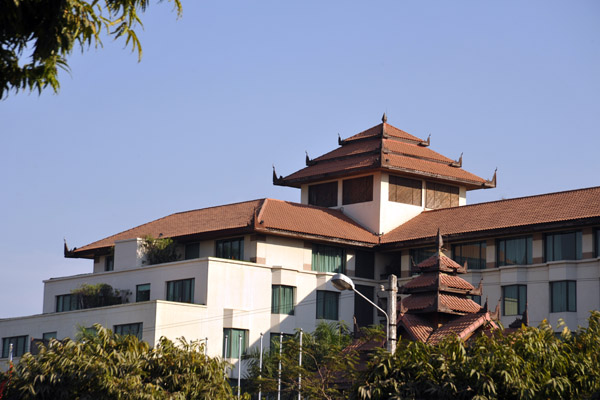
x: 532, y: 363
x: 108, y: 366
x: 158, y: 251
x: 98, y: 295
x: 328, y: 366
x: 36, y: 36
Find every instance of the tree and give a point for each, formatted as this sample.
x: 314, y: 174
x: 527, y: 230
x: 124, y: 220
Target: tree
x: 50, y: 29
x: 103, y: 365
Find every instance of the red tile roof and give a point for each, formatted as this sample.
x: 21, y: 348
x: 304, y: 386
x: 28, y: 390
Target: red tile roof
x: 274, y: 216
x: 383, y: 147
x: 541, y: 209
x: 463, y: 327
x: 419, y: 328
x: 427, y: 302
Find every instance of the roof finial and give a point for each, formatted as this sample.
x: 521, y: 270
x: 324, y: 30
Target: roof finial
x: 439, y: 241
x: 384, y: 118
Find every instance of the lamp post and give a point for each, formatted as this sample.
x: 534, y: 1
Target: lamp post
x: 342, y: 282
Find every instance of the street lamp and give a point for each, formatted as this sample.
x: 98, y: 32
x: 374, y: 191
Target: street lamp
x: 342, y: 282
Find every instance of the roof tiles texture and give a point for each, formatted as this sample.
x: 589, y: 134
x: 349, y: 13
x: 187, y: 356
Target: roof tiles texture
x: 419, y: 328
x: 461, y: 327
x: 547, y: 208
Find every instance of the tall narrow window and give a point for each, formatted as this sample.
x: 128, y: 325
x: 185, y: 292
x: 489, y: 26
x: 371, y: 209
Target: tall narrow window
x: 405, y: 190
x: 109, y: 263
x: 363, y: 310
x: 438, y: 195
x: 327, y: 304
x: 323, y: 194
x: 514, y: 251
x: 357, y: 190
x: 282, y: 299
x: 563, y: 246
x: 364, y: 264
x: 471, y: 253
x: 192, y: 250
x: 231, y: 342
x: 514, y: 299
x: 142, y: 292
x: 597, y: 242
x: 328, y: 259
x: 134, y: 329
x: 563, y: 296
x: 181, y: 290
x: 19, y: 344
x: 232, y: 249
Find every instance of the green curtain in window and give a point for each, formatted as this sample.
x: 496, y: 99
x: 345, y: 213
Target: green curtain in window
x: 282, y: 300
x: 232, y: 347
x: 327, y: 259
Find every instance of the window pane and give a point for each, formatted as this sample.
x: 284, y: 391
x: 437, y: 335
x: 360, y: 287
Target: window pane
x: 327, y: 305
x: 19, y: 344
x: 421, y: 254
x: 364, y: 264
x: 192, y: 250
x: 328, y: 259
x: 357, y: 190
x: 559, y: 296
x: 514, y: 251
x: 405, y: 190
x: 232, y: 249
x: 438, y: 195
x: 142, y: 292
x: 363, y: 310
x: 572, y: 296
x: 134, y: 329
x: 323, y: 194
x: 563, y: 246
x: 231, y: 342
x: 182, y: 290
x: 511, y: 300
x: 474, y: 254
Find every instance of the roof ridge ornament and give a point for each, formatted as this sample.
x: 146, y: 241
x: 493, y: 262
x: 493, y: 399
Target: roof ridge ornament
x: 340, y: 140
x: 491, y: 183
x: 457, y: 164
x: 384, y: 118
x: 308, y: 161
x: 439, y: 241
x: 426, y: 143
x: 276, y: 180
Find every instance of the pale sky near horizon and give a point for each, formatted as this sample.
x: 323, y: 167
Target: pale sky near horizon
x: 234, y: 87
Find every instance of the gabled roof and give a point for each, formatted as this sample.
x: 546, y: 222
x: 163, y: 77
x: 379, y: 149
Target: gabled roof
x: 572, y: 205
x: 260, y: 216
x: 384, y: 147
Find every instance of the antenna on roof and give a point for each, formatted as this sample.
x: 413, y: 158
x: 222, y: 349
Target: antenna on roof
x: 384, y: 118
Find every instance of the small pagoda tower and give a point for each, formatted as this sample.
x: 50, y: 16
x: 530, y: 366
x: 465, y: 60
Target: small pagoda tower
x: 438, y: 302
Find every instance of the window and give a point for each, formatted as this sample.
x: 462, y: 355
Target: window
x: 514, y: 251
x: 48, y: 335
x: 134, y: 329
x: 231, y: 342
x: 363, y: 310
x: 19, y: 344
x: 563, y: 246
x: 563, y: 296
x: 109, y: 263
x: 282, y: 299
x: 475, y: 298
x: 419, y: 255
x: 327, y: 304
x: 182, y: 290
x: 142, y: 292
x: 328, y: 258
x: 232, y: 249
x: 357, y: 190
x: 597, y: 242
x: 438, y: 195
x: 323, y: 194
x: 192, y: 250
x: 66, y: 302
x: 514, y: 299
x: 364, y: 264
x: 405, y: 190
x: 472, y: 253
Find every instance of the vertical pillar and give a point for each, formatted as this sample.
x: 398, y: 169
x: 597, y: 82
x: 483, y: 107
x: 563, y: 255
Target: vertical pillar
x: 392, y: 292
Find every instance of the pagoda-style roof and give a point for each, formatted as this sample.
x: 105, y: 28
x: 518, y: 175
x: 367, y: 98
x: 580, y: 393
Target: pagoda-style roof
x: 384, y: 147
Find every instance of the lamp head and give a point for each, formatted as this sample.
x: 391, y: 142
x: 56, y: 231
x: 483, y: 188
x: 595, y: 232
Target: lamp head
x: 342, y: 282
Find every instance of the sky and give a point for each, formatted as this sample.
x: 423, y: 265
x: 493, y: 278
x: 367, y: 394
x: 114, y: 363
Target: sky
x: 234, y: 87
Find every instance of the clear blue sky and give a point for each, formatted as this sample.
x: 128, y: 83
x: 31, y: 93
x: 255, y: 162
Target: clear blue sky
x: 234, y: 86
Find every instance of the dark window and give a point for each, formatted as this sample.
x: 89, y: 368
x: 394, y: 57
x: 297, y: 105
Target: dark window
x: 471, y: 253
x: 419, y: 255
x: 475, y: 298
x: 438, y: 195
x: 182, y: 290
x: 231, y: 342
x: 232, y: 249
x: 134, y: 329
x: 514, y: 299
x: 363, y: 310
x: 46, y: 336
x: 514, y: 251
x: 323, y: 194
x: 597, y: 242
x: 563, y: 296
x: 109, y: 263
x: 142, y: 292
x: 66, y: 302
x: 357, y: 190
x: 364, y: 264
x: 405, y: 190
x: 563, y: 246
x: 192, y: 250
x: 282, y: 299
x: 19, y: 346
x: 327, y: 304
x: 328, y: 259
